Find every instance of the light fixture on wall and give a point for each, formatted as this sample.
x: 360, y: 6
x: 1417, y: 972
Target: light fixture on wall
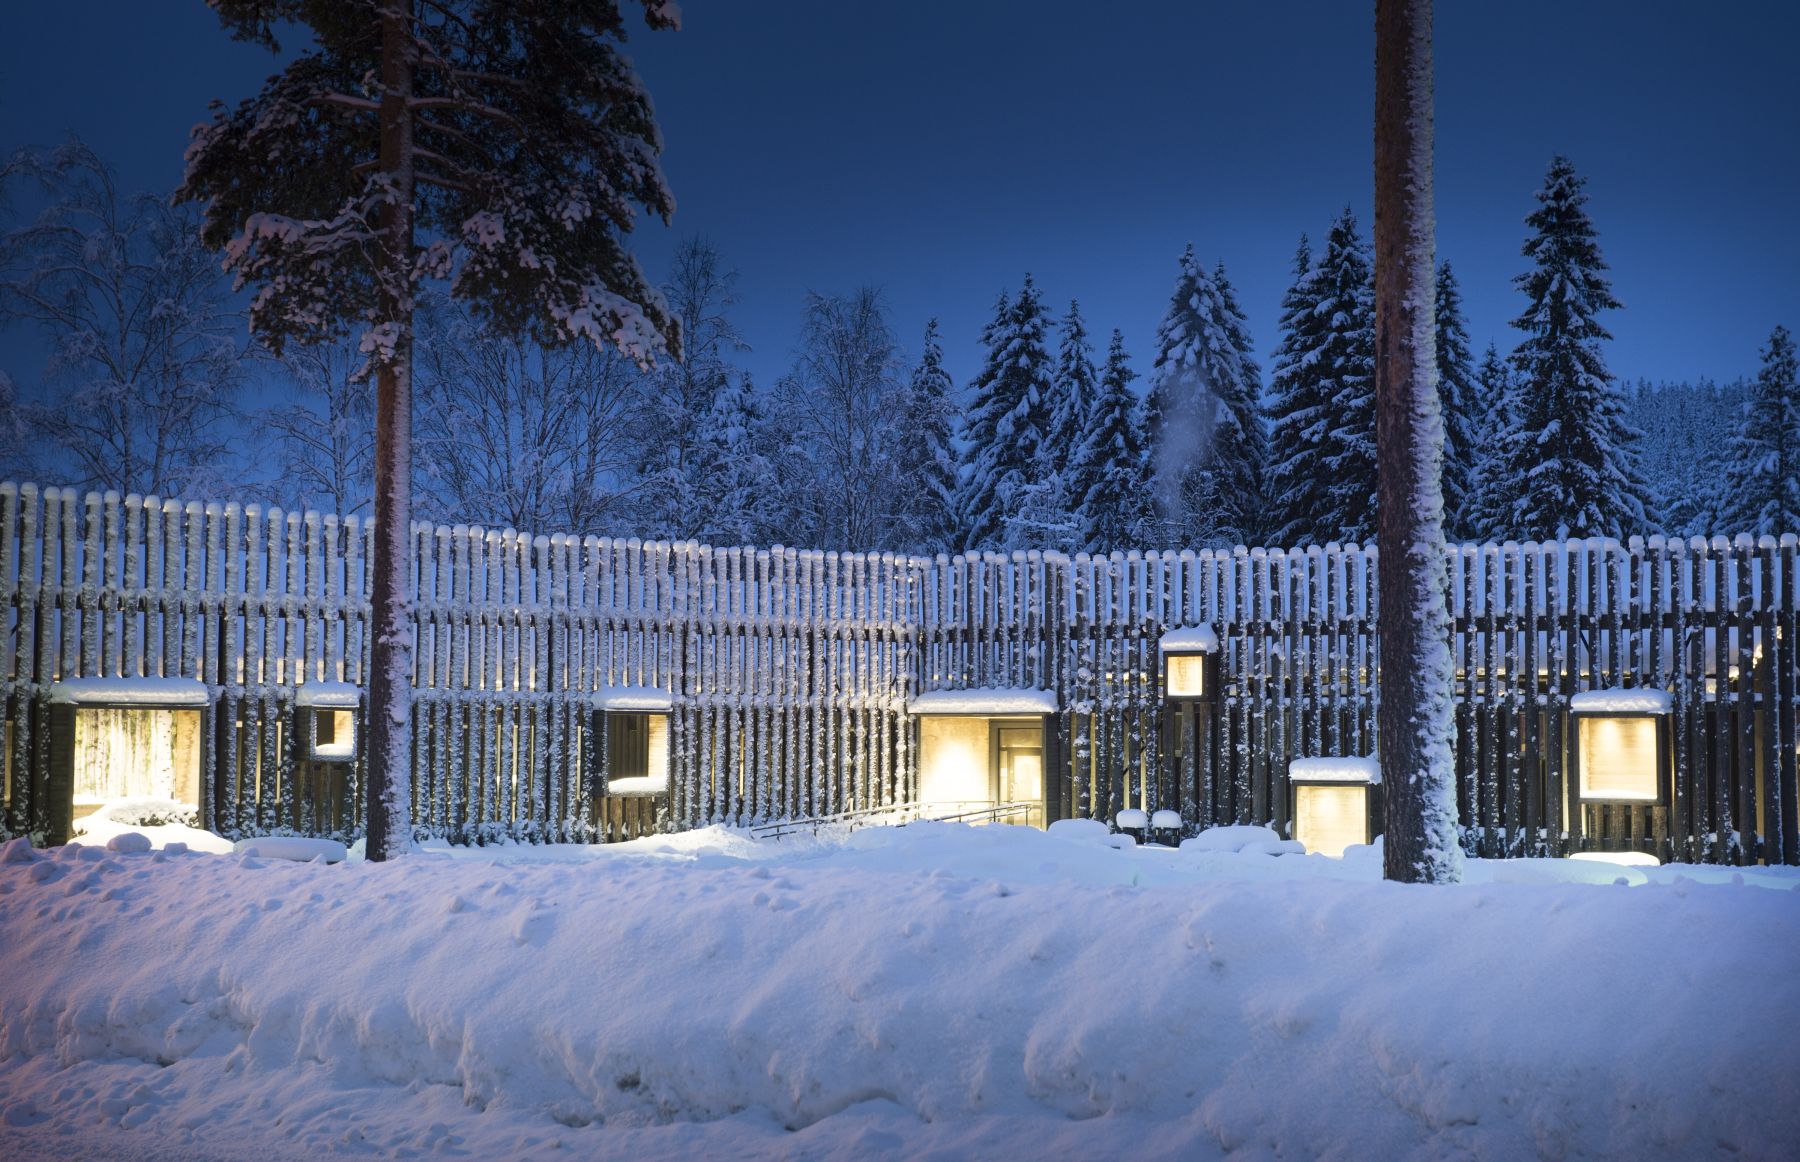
x: 1621, y: 752
x: 1190, y: 657
x: 1334, y: 801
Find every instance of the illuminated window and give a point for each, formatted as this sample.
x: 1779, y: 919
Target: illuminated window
x: 969, y: 761
x: 136, y: 753
x: 1185, y: 675
x: 1620, y: 757
x: 1189, y: 654
x: 1328, y: 817
x: 334, y: 735
x: 637, y: 753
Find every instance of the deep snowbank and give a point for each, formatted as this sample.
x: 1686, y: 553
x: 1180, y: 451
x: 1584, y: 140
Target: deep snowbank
x: 877, y: 994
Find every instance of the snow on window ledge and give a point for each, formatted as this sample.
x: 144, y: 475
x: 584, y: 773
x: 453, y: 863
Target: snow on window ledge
x: 328, y: 695
x: 985, y: 700
x: 633, y: 698
x: 1622, y: 701
x: 638, y: 786
x: 160, y: 693
x: 1190, y: 638
x: 1335, y: 770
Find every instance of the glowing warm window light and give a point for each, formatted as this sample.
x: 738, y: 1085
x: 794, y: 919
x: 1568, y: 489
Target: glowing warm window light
x: 1619, y: 758
x: 1185, y: 675
x: 136, y: 753
x: 653, y: 777
x: 953, y: 760
x: 334, y: 734
x: 1329, y: 818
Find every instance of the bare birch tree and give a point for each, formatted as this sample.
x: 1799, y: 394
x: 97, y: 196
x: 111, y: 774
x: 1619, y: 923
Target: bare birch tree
x: 143, y: 371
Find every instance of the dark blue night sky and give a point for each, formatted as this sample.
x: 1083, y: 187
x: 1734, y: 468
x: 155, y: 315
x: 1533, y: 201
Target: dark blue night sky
x: 941, y: 150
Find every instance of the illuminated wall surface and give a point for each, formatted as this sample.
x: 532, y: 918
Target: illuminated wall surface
x: 1618, y: 758
x: 1329, y: 819
x: 640, y: 754
x: 137, y: 753
x: 953, y: 760
x: 1186, y: 675
x: 336, y: 734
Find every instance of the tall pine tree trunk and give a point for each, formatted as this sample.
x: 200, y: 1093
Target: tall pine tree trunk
x: 390, y: 600
x: 1415, y: 728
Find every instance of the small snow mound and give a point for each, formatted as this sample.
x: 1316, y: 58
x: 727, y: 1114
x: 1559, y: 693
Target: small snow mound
x: 143, y: 811
x: 291, y: 847
x: 129, y: 843
x: 1244, y: 839
x: 17, y: 851
x: 1080, y: 830
x: 1621, y: 858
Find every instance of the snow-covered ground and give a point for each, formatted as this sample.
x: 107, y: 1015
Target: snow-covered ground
x: 932, y: 991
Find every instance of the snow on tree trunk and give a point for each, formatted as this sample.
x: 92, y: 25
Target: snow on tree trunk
x: 1415, y: 728
x: 390, y: 599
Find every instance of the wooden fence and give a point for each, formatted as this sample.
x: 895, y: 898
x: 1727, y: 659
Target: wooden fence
x: 791, y: 670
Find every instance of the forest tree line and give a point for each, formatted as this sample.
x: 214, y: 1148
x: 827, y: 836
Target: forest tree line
x: 152, y: 386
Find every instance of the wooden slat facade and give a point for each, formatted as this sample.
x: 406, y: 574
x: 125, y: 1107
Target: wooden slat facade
x: 791, y: 670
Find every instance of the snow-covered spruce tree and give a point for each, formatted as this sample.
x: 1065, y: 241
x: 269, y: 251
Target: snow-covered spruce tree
x: 1008, y: 418
x: 1762, y: 495
x: 1076, y: 386
x: 926, y: 452
x: 1247, y: 441
x: 1684, y: 425
x: 144, y: 373
x: 1109, y: 478
x: 1202, y: 414
x: 1489, y: 506
x: 1323, y: 436
x: 677, y: 397
x: 1299, y: 415
x: 1346, y: 358
x: 499, y: 148
x: 1461, y: 405
x: 733, y: 467
x: 1416, y: 732
x: 1572, y: 461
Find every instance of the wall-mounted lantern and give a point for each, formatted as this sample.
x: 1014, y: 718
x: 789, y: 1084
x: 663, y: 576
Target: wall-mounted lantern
x: 631, y: 729
x: 327, y: 720
x: 1190, y: 682
x: 1621, y: 745
x: 1335, y: 800
x: 1190, y: 658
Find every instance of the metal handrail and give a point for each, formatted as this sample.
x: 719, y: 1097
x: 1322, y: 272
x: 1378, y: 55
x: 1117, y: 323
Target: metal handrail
x: 865, y: 816
x: 861, y: 815
x: 990, y: 814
